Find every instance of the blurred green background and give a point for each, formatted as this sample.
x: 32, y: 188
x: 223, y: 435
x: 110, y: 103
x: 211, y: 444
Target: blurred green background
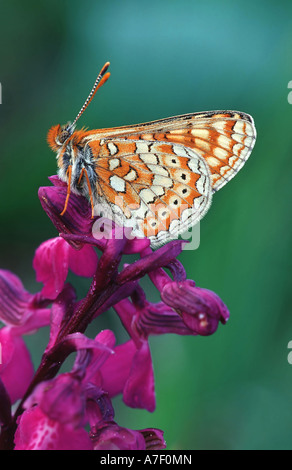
x: 231, y: 390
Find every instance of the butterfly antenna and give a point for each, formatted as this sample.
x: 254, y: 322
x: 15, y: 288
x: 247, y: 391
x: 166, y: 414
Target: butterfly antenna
x: 101, y: 79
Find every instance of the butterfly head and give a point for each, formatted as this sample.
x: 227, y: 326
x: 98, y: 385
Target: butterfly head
x: 58, y: 135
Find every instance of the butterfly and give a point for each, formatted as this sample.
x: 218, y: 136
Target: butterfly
x: 158, y: 177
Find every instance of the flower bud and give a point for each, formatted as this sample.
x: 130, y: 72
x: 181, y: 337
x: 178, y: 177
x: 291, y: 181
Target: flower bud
x: 200, y: 309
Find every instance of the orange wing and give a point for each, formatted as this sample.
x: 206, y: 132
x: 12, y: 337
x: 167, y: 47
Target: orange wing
x: 224, y: 139
x: 158, y: 189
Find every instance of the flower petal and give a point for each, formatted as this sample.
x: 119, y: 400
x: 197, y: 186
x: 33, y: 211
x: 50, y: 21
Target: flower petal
x: 37, y: 432
x: 139, y: 388
x: 200, y: 309
x: 114, y: 373
x: 158, y: 319
x: 52, y: 260
x: 150, y: 319
x: 14, y: 299
x: 51, y: 263
x: 16, y: 370
x: 61, y: 399
x: 77, y: 218
x: 111, y: 436
x: 83, y: 262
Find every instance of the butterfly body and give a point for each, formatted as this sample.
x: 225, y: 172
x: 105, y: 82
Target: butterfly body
x: 157, y: 177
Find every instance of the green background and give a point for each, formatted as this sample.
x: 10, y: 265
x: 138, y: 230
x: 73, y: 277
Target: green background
x: 231, y: 390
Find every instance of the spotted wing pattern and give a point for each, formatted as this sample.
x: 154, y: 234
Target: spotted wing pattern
x: 224, y: 139
x: 159, y: 189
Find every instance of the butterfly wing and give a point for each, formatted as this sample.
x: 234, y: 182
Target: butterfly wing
x: 157, y: 188
x: 224, y: 139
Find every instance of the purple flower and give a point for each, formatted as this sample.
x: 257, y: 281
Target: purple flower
x: 22, y: 313
x: 142, y: 319
x: 56, y: 409
x: 117, y: 366
x: 78, y: 215
x: 54, y: 258
x: 16, y: 370
x: 76, y: 225
x: 110, y: 436
x: 63, y: 398
x: 35, y: 431
x: 200, y: 309
x: 19, y: 308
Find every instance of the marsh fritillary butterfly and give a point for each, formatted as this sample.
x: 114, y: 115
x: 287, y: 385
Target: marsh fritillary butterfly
x: 158, y: 177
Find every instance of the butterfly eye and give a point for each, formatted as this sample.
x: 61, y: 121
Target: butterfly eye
x: 63, y: 136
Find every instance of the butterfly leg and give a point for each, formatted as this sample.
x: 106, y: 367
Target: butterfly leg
x: 84, y: 171
x: 69, y: 173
